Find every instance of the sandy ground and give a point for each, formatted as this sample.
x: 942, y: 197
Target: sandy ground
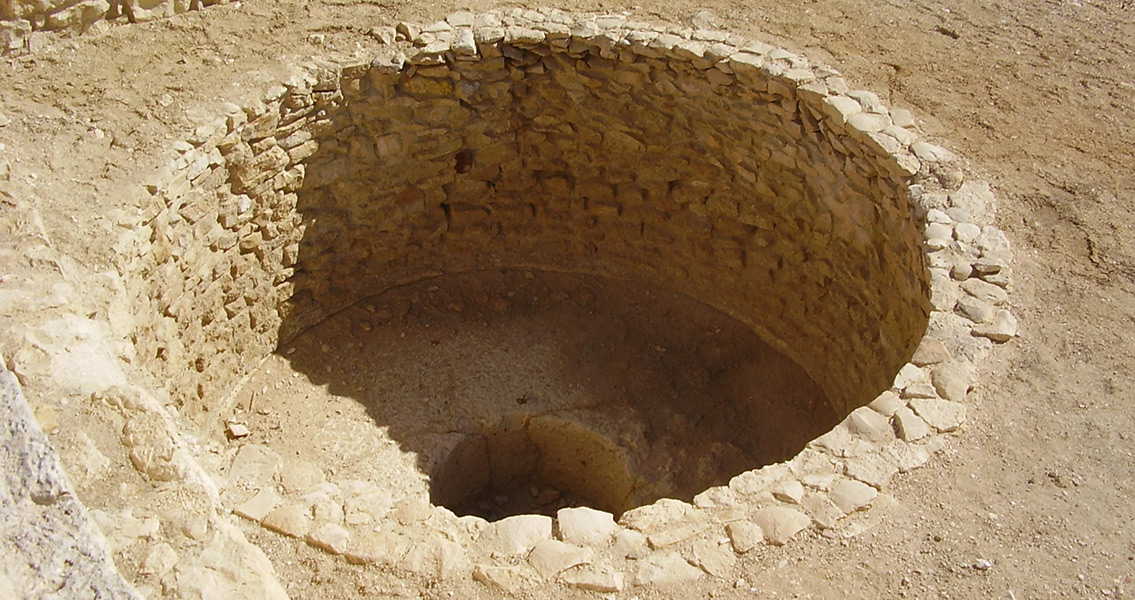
x: 1038, y: 95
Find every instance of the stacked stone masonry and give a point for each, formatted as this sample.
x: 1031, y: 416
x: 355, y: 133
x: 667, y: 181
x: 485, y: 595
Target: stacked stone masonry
x: 739, y: 173
x: 21, y: 20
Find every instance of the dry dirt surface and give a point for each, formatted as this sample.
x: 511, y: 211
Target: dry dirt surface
x: 1032, y: 500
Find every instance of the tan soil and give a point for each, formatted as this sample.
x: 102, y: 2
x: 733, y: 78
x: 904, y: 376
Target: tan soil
x: 1039, y: 96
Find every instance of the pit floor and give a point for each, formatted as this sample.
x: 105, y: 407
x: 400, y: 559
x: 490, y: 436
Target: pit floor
x: 384, y: 390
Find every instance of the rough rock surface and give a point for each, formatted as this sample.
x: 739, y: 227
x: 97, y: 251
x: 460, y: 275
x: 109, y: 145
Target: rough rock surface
x: 49, y: 548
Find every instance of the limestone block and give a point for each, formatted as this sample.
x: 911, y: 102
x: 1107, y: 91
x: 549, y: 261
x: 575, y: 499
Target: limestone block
x: 953, y: 379
x: 330, y: 537
x: 384, y: 548
x: 850, y: 495
x: 258, y: 507
x: 1002, y: 327
x: 665, y: 569
x: 714, y: 557
x: 873, y: 469
x: 910, y: 428
x: 628, y: 542
x: 886, y: 403
x: 585, y: 526
x: 869, y: 424
x: 437, y: 558
x: 744, y: 535
x: 789, y: 490
x: 942, y: 415
x: 516, y: 534
x: 675, y: 534
x: 291, y: 520
x: 779, y: 524
x: 841, y: 108
x: 977, y: 199
x: 662, y: 514
x: 552, y: 557
x: 986, y: 291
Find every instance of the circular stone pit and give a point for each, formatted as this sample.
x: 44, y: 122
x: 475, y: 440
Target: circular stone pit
x: 588, y: 153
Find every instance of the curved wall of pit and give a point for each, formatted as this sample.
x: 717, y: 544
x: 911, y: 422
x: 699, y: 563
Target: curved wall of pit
x: 738, y: 175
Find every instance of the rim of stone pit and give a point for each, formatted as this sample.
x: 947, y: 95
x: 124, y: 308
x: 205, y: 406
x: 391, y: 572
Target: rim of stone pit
x: 170, y: 265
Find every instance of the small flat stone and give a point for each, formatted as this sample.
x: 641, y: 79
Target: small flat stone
x: 436, y: 559
x: 1001, y: 328
x: 850, y: 495
x: 985, y: 291
x: 517, y: 534
x: 841, y: 108
x: 907, y: 456
x: 258, y: 507
x: 779, y: 524
x: 330, y: 537
x: 993, y: 241
x: 966, y: 232
x: 291, y: 520
x: 931, y: 153
x: 953, y: 379
x: 744, y: 535
x: 551, y: 557
x: 942, y: 415
x: 874, y: 469
x: 823, y: 512
x: 659, y: 515
x: 910, y: 427
x: 976, y: 198
x: 383, y: 548
x: 714, y: 558
x: 628, y: 542
x: 666, y: 569
x: 253, y: 466
x: 605, y: 582
x: 920, y: 390
x: 585, y: 526
x: 789, y: 490
x: 886, y: 403
x: 669, y: 537
x: 869, y: 424
x: 902, y: 117
x: 237, y: 431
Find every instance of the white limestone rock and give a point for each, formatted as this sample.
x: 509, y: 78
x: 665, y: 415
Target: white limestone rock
x: 665, y: 569
x: 744, y: 535
x: 953, y: 379
x: 715, y: 558
x: 1002, y: 327
x: 910, y: 427
x: 330, y: 537
x: 851, y: 495
x: 942, y: 415
x: 779, y: 524
x: 585, y: 526
x: 513, y: 580
x: 516, y: 534
x: 552, y: 557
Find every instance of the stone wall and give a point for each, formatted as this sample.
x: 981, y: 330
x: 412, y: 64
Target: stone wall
x: 736, y: 172
x: 20, y: 18
x: 739, y: 175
